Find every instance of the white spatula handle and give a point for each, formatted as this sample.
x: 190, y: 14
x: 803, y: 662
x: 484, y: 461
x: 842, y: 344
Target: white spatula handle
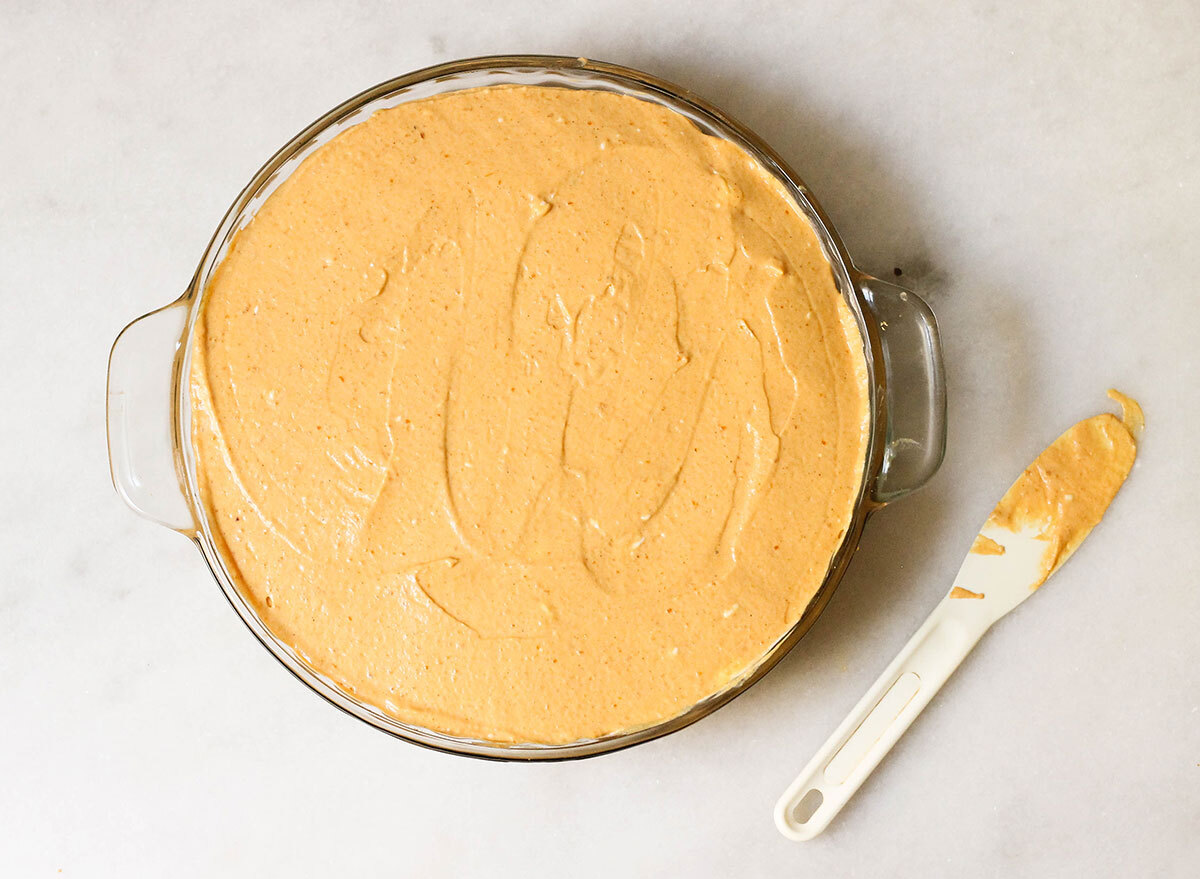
x: 879, y: 719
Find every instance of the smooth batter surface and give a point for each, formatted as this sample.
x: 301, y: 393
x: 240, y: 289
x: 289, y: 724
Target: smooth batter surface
x: 1066, y: 490
x: 528, y: 414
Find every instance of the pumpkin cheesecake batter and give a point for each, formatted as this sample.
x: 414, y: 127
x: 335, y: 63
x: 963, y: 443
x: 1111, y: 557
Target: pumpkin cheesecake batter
x: 1066, y: 490
x: 528, y: 414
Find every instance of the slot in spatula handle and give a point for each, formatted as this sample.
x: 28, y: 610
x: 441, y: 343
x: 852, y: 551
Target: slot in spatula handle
x: 877, y: 721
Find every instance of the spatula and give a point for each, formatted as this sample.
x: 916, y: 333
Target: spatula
x: 1041, y: 520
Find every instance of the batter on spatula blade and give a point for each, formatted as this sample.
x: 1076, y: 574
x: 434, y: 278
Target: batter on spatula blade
x: 1066, y: 490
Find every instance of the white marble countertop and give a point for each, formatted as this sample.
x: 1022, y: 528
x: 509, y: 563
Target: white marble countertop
x: 1033, y: 172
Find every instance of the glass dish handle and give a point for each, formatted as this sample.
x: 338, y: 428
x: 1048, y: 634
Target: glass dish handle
x: 141, y: 441
x: 913, y: 399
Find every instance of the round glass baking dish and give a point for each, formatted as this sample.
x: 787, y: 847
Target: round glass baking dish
x: 149, y: 412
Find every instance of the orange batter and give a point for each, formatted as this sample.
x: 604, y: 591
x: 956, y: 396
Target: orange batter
x: 1064, y: 493
x: 528, y: 414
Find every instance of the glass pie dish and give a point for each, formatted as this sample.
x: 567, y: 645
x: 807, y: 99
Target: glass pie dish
x: 149, y: 411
